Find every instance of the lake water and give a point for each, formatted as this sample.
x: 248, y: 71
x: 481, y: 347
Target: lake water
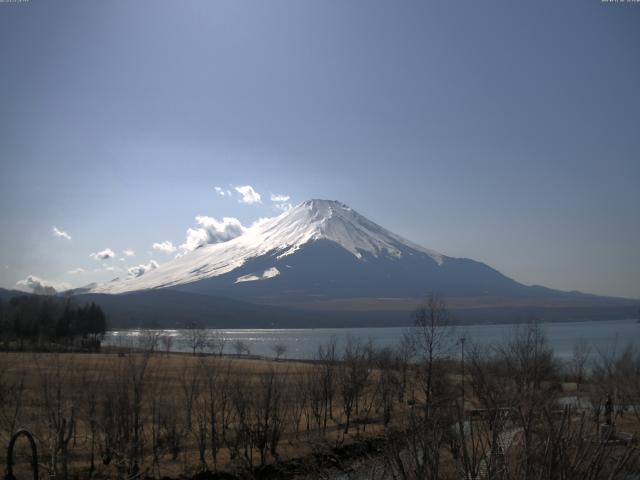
x: 602, y: 336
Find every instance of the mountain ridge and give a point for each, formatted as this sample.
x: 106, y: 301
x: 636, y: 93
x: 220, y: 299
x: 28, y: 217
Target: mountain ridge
x: 324, y: 251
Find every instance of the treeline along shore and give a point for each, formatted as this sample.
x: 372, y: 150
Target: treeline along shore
x: 436, y: 407
x: 41, y: 322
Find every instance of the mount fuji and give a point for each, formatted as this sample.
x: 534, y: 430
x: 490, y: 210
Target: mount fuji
x: 323, y: 256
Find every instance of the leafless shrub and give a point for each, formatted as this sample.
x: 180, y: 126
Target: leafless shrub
x: 316, y: 409
x: 327, y: 358
x: 353, y: 377
x: 12, y: 391
x: 216, y: 341
x: 414, y: 445
x: 149, y: 340
x: 617, y: 375
x: 298, y: 400
x: 389, y: 385
x: 241, y: 347
x: 279, y: 350
x: 268, y: 414
x: 578, y: 362
x: 432, y: 341
x: 60, y: 412
x: 190, y: 383
x: 196, y: 338
x: 167, y: 342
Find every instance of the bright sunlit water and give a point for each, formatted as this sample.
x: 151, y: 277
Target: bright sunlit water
x: 603, y: 336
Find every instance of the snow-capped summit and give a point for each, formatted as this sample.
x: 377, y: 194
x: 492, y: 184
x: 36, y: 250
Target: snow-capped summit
x: 278, y: 238
x: 334, y: 221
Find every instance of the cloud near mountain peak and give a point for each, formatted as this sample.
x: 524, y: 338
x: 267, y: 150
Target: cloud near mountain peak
x: 212, y: 230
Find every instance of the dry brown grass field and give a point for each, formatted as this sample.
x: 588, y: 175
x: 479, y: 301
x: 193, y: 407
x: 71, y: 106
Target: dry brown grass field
x: 92, y: 402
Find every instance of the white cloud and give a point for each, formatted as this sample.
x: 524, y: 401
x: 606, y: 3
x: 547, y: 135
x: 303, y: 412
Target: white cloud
x: 166, y: 246
x: 196, y: 237
x: 281, y: 202
x: 103, y: 254
x: 108, y: 268
x: 76, y: 271
x: 129, y: 253
x: 142, y: 269
x: 280, y: 198
x: 60, y: 233
x: 42, y: 287
x: 212, y: 231
x: 222, y: 192
x: 249, y: 195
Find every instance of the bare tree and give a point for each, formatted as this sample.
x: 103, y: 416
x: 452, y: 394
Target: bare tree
x: 240, y: 441
x: 529, y: 362
x: 387, y: 383
x: 241, y: 347
x: 354, y: 375
x: 12, y: 391
x: 216, y: 341
x: 89, y: 402
x: 196, y: 337
x: 167, y: 342
x: 268, y: 414
x: 579, y: 359
x: 279, y: 350
x: 617, y: 375
x: 136, y: 366
x: 432, y: 339
x: 317, y: 407
x: 327, y: 359
x: 60, y: 411
x: 202, y: 425
x: 191, y: 383
x: 414, y: 446
x: 403, y: 355
x: 415, y: 441
x: 298, y: 394
x: 148, y: 340
x: 214, y: 405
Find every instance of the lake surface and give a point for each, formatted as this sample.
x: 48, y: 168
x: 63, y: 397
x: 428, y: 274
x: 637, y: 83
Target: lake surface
x: 602, y: 336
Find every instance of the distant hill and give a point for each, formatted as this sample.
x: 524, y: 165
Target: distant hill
x: 166, y: 308
x: 6, y: 295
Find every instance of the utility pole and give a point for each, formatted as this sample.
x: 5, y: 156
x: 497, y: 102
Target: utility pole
x: 462, y: 340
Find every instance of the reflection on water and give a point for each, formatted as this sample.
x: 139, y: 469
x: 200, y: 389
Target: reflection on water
x: 603, y: 336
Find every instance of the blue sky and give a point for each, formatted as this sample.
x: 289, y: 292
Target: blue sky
x: 507, y: 132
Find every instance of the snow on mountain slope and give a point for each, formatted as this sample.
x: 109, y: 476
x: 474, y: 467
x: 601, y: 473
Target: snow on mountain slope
x: 306, y: 223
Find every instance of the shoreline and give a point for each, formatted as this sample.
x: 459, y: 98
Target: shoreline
x: 364, y: 327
